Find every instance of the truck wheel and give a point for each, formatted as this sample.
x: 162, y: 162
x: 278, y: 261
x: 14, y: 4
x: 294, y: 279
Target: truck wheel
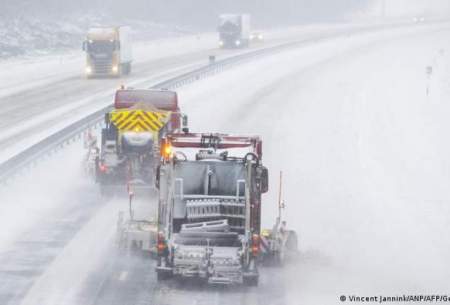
x: 162, y: 276
x: 125, y: 68
x: 251, y: 281
x: 278, y: 259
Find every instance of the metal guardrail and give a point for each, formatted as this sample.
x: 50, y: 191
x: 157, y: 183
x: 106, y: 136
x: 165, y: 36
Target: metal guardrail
x: 76, y: 130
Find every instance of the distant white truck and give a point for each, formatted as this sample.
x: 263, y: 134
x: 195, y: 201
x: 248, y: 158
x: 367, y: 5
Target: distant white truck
x: 108, y: 51
x: 234, y: 30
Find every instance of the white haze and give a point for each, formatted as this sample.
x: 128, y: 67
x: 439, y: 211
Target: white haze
x: 405, y: 8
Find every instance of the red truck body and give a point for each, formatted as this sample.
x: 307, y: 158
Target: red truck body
x: 160, y: 99
x: 219, y: 141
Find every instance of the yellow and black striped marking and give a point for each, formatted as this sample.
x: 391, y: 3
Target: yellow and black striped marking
x: 139, y: 120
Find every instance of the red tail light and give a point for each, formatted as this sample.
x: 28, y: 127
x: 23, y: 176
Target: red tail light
x: 162, y: 244
x: 103, y: 168
x: 256, y: 243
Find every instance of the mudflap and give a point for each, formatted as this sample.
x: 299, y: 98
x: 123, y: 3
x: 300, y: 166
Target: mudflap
x: 251, y: 276
x: 163, y: 273
x: 250, y: 279
x: 272, y: 259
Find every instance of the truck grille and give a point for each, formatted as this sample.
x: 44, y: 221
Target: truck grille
x: 102, y: 66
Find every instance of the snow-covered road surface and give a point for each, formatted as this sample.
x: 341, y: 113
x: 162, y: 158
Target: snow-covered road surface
x: 365, y: 160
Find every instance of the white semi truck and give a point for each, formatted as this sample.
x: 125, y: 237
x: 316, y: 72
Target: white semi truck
x: 234, y: 30
x: 108, y: 51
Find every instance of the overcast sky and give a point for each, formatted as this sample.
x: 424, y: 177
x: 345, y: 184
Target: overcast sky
x: 200, y: 12
x: 204, y: 12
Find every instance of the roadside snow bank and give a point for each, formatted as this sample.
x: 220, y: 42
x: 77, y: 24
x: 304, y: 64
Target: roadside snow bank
x: 32, y: 36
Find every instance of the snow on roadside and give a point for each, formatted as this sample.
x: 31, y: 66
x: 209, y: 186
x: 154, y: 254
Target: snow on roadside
x: 62, y: 281
x: 364, y: 153
x: 31, y: 36
x: 35, y: 195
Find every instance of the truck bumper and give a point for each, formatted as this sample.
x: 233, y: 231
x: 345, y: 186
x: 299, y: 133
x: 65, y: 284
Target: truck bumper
x: 164, y: 270
x: 220, y: 281
x: 219, y: 277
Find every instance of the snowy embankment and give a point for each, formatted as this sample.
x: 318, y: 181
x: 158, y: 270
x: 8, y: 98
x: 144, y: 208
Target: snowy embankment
x: 32, y: 36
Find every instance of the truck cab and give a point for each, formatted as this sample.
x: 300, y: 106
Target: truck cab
x: 108, y: 51
x: 130, y: 138
x: 234, y: 31
x: 210, y: 208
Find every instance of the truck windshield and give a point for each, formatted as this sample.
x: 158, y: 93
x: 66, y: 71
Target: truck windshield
x: 229, y: 25
x: 211, y: 178
x: 101, y: 46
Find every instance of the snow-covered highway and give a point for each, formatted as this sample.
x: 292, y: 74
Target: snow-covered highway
x: 366, y: 162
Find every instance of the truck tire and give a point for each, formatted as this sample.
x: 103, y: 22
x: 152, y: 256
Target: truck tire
x: 103, y: 192
x: 128, y: 68
x: 251, y: 281
x: 162, y: 276
x: 278, y: 259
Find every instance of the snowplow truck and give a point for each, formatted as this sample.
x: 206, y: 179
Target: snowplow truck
x: 130, y: 139
x: 279, y: 245
x: 209, y: 215
x: 234, y: 31
x: 108, y: 51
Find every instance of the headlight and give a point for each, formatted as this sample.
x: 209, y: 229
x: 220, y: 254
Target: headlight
x: 88, y: 69
x: 238, y: 42
x: 115, y: 69
x: 260, y: 37
x: 221, y: 43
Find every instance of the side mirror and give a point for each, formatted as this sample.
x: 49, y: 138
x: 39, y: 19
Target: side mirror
x: 84, y: 46
x: 264, y: 179
x: 158, y: 176
x: 117, y: 45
